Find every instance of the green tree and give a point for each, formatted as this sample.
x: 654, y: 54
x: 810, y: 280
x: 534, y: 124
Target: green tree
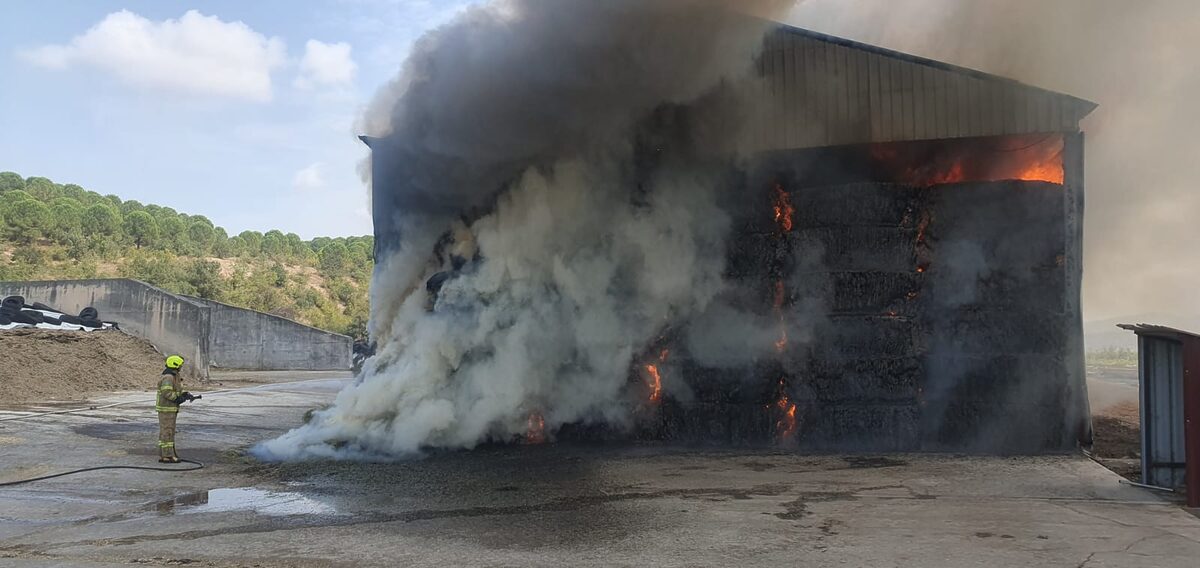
x: 14, y: 196
x: 67, y: 214
x: 41, y: 188
x: 203, y: 279
x: 296, y: 249
x: 200, y: 236
x: 171, y: 230
x: 220, y: 244
x: 335, y: 257
x: 74, y: 192
x: 91, y: 198
x: 279, y: 273
x: 253, y: 242
x: 157, y: 268
x: 101, y: 219
x: 360, y: 251
x: 131, y: 205
x: 274, y: 245
x: 142, y: 228
x: 28, y: 220
x: 237, y: 247
x: 10, y: 181
x: 319, y: 243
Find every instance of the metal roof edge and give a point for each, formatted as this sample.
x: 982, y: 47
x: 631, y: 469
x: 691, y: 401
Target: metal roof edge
x: 1086, y: 106
x: 1157, y: 330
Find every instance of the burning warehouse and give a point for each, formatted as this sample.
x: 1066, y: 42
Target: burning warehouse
x: 820, y: 244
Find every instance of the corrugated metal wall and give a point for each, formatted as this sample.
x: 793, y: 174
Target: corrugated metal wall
x: 823, y: 91
x: 1164, y: 453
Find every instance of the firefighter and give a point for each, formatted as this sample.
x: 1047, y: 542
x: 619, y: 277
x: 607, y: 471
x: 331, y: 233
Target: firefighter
x: 170, y: 396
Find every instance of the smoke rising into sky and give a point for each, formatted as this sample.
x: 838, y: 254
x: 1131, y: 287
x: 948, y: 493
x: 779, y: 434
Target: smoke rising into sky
x: 525, y: 112
x: 1133, y: 58
x: 534, y: 258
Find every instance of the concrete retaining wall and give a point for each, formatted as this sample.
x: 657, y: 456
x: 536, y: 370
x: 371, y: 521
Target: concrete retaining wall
x: 206, y: 333
x: 246, y: 339
x: 171, y: 323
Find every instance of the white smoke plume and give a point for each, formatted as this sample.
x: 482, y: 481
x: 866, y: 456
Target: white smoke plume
x: 516, y: 126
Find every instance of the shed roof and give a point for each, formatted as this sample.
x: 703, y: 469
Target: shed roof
x: 823, y: 90
x: 1160, y: 331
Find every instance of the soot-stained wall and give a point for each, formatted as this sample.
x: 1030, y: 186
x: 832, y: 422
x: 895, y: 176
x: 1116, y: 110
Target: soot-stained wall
x: 938, y: 318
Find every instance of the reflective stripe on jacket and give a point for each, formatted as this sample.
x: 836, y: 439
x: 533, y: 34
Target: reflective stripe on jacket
x: 169, y: 389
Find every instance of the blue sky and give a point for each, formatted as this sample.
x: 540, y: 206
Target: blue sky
x: 242, y: 111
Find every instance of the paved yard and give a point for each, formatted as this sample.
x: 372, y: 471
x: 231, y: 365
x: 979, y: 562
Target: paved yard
x: 550, y: 505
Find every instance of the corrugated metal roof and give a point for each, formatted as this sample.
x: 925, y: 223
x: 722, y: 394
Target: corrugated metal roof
x: 1157, y: 330
x: 821, y: 90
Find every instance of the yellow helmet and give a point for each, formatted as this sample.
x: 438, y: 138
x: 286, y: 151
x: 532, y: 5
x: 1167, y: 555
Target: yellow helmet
x: 174, y: 362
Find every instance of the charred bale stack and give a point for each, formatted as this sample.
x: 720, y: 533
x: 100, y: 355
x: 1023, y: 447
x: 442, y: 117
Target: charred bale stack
x: 910, y: 318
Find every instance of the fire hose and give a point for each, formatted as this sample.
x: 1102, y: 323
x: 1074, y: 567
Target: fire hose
x: 196, y: 466
x: 188, y: 397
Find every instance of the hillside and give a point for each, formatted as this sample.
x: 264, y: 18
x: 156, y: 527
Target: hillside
x: 56, y: 231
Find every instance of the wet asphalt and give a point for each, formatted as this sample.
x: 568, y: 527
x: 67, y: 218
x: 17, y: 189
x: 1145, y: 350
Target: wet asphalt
x: 552, y: 504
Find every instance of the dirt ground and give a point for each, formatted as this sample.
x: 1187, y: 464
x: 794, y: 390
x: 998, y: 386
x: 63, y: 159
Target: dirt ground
x: 42, y: 366
x: 1117, y: 439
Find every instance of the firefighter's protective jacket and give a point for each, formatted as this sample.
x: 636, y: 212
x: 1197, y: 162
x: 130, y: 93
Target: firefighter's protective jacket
x: 170, y: 388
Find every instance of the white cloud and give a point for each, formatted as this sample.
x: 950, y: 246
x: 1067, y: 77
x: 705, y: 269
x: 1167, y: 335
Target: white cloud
x: 309, y: 178
x: 327, y: 64
x: 195, y: 54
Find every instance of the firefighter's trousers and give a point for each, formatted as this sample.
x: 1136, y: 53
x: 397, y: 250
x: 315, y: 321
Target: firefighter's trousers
x: 166, y: 434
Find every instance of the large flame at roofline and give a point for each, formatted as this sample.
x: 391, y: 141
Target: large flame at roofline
x: 1037, y: 157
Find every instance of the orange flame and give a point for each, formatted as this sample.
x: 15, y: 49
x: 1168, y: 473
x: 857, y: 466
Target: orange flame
x: 1024, y: 158
x: 655, y: 378
x: 782, y: 205
x: 535, y: 429
x: 1049, y: 171
x: 655, y: 383
x: 785, y: 427
x: 784, y: 210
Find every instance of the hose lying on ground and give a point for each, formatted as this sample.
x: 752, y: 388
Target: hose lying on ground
x: 197, y: 465
x: 32, y: 415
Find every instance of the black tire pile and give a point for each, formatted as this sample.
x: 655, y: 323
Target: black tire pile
x: 13, y: 309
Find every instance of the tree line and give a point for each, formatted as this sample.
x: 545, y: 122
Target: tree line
x: 65, y: 231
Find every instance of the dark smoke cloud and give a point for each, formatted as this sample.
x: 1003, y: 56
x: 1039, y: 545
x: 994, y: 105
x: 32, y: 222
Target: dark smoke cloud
x: 522, y: 115
x: 1136, y: 59
x: 521, y: 82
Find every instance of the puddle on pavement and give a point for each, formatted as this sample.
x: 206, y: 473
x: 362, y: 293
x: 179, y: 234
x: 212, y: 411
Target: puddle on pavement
x: 271, y: 503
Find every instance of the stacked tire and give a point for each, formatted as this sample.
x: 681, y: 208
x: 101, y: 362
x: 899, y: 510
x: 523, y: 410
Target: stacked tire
x: 14, y: 310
